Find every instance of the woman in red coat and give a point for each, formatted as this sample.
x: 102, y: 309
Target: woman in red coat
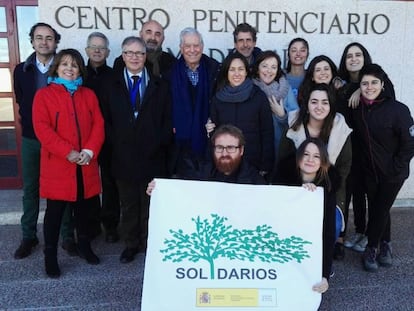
x: 68, y: 122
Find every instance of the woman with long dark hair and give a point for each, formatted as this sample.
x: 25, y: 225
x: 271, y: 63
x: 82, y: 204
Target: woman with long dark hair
x: 311, y: 169
x: 298, y: 53
x: 317, y: 117
x: 321, y: 69
x: 354, y: 57
x: 241, y: 103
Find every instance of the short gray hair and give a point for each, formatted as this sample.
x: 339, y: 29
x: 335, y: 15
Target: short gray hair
x: 132, y: 39
x: 190, y: 31
x: 97, y: 34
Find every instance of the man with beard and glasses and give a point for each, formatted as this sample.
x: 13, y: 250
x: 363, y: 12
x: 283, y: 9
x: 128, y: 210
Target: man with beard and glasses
x: 158, y: 62
x: 228, y: 165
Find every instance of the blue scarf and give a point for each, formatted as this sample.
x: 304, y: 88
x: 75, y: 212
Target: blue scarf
x: 70, y: 85
x: 189, y: 118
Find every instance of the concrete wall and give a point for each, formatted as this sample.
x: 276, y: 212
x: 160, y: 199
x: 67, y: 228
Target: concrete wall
x: 384, y: 27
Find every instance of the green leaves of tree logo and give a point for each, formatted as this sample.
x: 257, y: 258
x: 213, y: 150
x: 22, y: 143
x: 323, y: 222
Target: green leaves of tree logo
x: 214, y: 239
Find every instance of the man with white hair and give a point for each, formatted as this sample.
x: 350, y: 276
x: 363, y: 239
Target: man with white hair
x: 192, y: 85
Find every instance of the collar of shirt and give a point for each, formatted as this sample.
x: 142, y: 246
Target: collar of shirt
x: 193, y: 76
x: 43, y: 68
x: 139, y: 74
x: 129, y: 75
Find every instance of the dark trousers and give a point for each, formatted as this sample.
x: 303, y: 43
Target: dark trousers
x: 110, y: 212
x: 355, y: 189
x: 53, y: 217
x: 56, y: 208
x: 31, y: 174
x: 134, y: 213
x: 381, y: 196
x: 95, y: 217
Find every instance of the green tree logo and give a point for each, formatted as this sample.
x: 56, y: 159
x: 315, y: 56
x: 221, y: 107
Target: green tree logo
x: 215, y: 239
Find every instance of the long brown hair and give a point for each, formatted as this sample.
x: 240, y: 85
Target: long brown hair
x: 322, y: 176
x: 303, y: 116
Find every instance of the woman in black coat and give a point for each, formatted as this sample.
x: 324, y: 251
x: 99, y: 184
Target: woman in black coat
x: 386, y: 131
x: 354, y: 57
x: 241, y: 103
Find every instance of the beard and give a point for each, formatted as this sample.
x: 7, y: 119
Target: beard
x: 226, y: 164
x: 152, y: 46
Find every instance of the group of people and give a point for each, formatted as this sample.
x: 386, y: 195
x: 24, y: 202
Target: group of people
x: 243, y: 121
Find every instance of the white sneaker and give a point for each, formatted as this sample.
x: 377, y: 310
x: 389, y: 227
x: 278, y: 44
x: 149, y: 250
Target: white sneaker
x: 361, y: 245
x: 353, y: 239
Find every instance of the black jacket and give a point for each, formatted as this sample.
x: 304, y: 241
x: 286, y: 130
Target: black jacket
x: 386, y: 132
x: 95, y: 78
x: 25, y: 87
x: 255, y: 54
x: 292, y: 178
x: 206, y: 171
x: 139, y: 146
x: 254, y: 117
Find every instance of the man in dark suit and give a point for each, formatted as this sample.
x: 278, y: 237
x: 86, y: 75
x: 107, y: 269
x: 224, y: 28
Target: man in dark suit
x: 137, y: 111
x: 97, y: 50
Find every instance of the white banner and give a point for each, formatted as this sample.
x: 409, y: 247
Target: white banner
x: 223, y: 246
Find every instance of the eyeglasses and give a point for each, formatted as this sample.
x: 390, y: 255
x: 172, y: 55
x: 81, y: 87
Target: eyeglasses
x: 131, y: 54
x: 99, y: 48
x: 229, y: 149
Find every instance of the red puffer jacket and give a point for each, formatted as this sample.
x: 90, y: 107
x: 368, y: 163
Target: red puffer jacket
x: 63, y: 123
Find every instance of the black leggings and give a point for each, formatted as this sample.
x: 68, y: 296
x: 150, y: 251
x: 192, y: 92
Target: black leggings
x: 381, y: 197
x: 56, y: 208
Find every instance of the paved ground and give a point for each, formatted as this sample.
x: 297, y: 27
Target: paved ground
x: 115, y: 286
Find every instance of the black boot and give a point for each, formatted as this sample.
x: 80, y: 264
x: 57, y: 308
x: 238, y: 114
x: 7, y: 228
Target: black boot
x: 51, y: 264
x: 85, y: 251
